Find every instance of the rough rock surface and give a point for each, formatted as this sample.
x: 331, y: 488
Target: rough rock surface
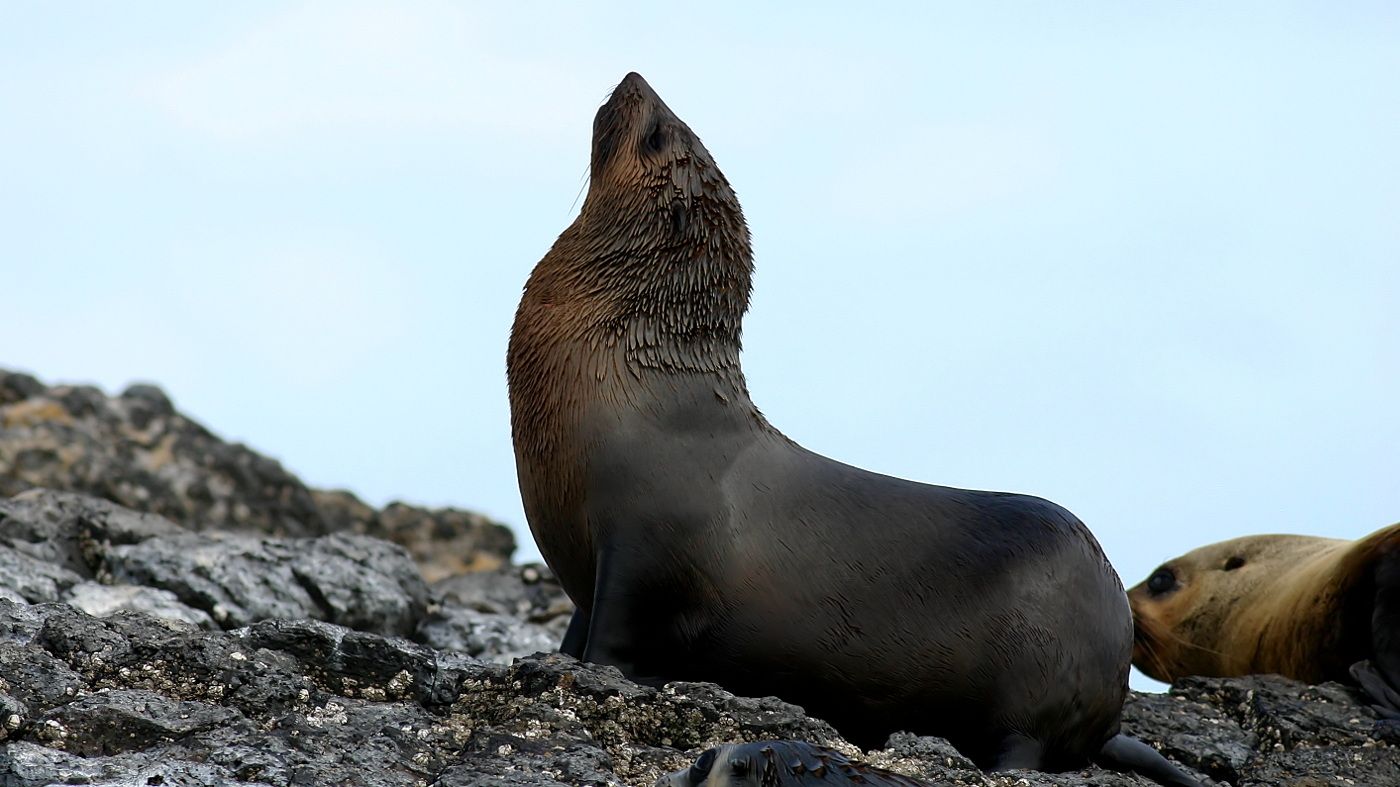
x: 137, y: 450
x: 130, y: 698
x: 154, y: 638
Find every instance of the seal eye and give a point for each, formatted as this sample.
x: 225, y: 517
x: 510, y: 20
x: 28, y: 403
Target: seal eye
x: 1234, y: 563
x: 1161, y: 581
x: 701, y: 769
x: 679, y: 219
x: 656, y: 140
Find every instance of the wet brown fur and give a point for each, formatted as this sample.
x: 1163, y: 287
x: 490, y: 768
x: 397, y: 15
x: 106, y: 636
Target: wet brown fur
x: 638, y: 302
x: 1297, y: 606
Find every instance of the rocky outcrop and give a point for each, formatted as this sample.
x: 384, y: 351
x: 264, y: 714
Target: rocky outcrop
x: 138, y: 451
x: 131, y: 698
x: 163, y: 645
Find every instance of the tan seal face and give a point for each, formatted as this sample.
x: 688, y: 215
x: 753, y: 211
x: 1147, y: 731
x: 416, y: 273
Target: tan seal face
x: 1294, y: 605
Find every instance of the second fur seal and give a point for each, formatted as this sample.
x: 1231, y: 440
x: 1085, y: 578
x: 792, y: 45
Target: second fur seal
x: 699, y: 543
x: 1309, y: 608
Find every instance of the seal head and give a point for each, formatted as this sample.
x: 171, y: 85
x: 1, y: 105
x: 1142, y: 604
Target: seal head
x: 1304, y: 607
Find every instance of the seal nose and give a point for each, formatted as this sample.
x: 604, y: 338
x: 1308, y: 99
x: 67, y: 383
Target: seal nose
x: 634, y: 85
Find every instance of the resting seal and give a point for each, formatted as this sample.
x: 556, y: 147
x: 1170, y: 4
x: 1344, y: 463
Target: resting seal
x: 1313, y: 609
x: 780, y: 764
x: 699, y: 543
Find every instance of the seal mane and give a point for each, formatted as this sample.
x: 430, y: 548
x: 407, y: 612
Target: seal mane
x: 654, y: 273
x: 648, y: 285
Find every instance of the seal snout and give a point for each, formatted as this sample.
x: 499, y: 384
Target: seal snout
x: 633, y: 88
x: 633, y: 83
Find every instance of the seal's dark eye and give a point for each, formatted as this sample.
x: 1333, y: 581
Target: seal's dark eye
x: 1161, y: 581
x: 701, y: 769
x: 1234, y: 563
x: 656, y: 140
x: 679, y: 219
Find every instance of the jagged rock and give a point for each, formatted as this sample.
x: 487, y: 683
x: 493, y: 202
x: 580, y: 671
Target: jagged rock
x: 126, y: 698
x: 499, y: 638
x: 55, y: 544
x: 245, y: 643
x: 354, y: 580
x: 1283, y: 714
x: 444, y: 541
x: 530, y: 592
x: 1192, y: 732
x: 31, y: 580
x: 927, y: 758
x: 102, y: 600
x: 138, y: 451
x: 25, y: 764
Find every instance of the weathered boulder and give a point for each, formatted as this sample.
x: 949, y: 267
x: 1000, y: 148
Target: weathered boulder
x: 138, y: 451
x: 128, y: 698
x: 184, y: 612
x: 60, y: 546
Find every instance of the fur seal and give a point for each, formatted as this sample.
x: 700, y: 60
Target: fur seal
x: 1313, y: 609
x: 699, y: 543
x: 780, y: 764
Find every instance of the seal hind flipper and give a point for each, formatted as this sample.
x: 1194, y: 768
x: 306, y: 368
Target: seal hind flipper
x: 1123, y: 753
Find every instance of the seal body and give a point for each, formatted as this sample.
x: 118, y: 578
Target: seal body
x: 1309, y: 608
x: 781, y: 764
x: 699, y: 543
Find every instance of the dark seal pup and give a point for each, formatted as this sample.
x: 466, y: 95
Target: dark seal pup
x: 699, y: 543
x: 781, y: 764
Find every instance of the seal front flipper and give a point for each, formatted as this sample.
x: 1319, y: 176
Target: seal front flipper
x: 1123, y: 753
x: 627, y: 626
x: 576, y: 637
x: 1385, y: 699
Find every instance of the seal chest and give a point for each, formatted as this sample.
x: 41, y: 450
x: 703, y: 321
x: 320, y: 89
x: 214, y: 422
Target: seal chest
x: 699, y: 543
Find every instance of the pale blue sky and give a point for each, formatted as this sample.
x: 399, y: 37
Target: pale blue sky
x: 1143, y: 261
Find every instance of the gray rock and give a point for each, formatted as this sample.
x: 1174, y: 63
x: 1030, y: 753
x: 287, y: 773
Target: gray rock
x: 493, y: 637
x: 444, y: 541
x: 530, y: 592
x: 31, y: 580
x: 353, y: 580
x: 303, y: 701
x: 70, y: 530
x: 103, y: 600
x: 138, y: 451
x: 26, y: 764
x: 124, y: 720
x: 315, y: 682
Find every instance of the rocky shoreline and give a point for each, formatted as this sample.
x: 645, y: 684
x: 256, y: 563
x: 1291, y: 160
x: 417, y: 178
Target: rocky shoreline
x: 178, y: 610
